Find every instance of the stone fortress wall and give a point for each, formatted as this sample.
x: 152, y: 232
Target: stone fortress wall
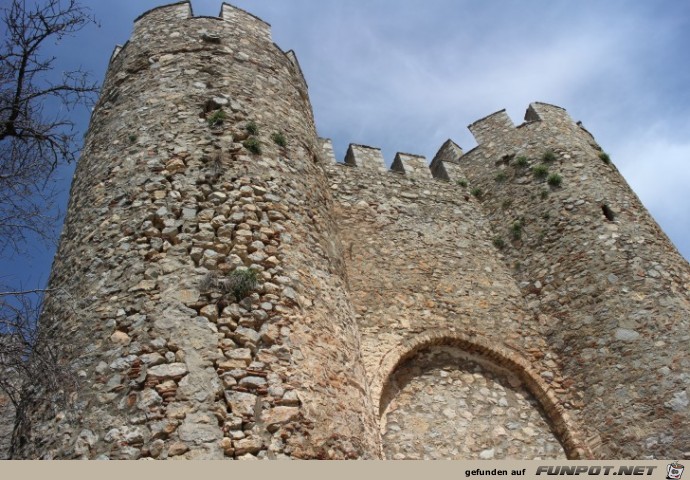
x: 466, y: 309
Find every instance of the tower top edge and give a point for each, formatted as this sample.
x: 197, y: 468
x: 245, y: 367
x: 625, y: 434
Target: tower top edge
x: 187, y: 3
x: 163, y: 7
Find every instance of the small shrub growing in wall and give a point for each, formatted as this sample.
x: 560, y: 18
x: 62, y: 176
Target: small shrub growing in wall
x: 462, y: 183
x: 505, y: 205
x: 253, y: 145
x: 501, y: 177
x: 555, y: 180
x: 477, y: 192
x: 217, y: 118
x: 544, y: 193
x: 499, y: 243
x: 548, y: 157
x: 516, y: 230
x: 521, y: 161
x: 279, y: 139
x: 241, y: 282
x: 604, y: 157
x: 540, y: 171
x: 132, y: 138
x: 252, y: 128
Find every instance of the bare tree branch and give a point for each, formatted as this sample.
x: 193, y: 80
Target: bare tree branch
x: 36, y: 136
x: 32, y: 143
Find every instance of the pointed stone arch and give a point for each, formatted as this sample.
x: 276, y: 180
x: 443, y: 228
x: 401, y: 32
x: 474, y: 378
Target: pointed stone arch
x: 562, y: 425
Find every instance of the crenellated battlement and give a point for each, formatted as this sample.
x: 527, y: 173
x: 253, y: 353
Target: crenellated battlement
x: 414, y: 166
x: 164, y: 35
x: 445, y: 164
x: 546, y: 112
x: 486, y: 129
x: 179, y: 11
x: 410, y: 165
x: 365, y: 157
x: 498, y: 127
x: 244, y: 22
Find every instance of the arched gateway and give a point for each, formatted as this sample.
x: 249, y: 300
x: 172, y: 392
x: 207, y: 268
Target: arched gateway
x: 448, y: 395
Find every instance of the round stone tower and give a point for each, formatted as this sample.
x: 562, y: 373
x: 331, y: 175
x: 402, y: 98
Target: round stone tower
x: 608, y: 286
x: 197, y: 301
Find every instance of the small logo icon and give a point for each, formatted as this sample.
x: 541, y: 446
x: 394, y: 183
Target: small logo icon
x: 674, y: 471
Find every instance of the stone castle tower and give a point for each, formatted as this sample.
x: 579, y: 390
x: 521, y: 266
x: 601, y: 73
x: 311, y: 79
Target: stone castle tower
x: 225, y: 289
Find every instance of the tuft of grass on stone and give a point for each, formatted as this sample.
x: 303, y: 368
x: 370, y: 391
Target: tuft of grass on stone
x: 521, y: 161
x: 501, y: 177
x: 253, y: 145
x: 548, y: 157
x: 499, y: 243
x: 477, y: 192
x: 217, y: 118
x: 540, y: 171
x: 252, y: 128
x: 506, y: 204
x: 462, y: 183
x: 132, y: 138
x: 544, y: 193
x: 516, y: 230
x: 604, y: 157
x: 279, y: 139
x: 241, y: 282
x: 555, y: 180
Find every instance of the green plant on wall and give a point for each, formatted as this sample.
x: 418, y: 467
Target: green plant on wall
x: 279, y: 139
x: 540, y: 171
x: 501, y: 177
x: 253, y: 145
x: 521, y: 161
x: 548, y: 157
x: 462, y: 183
x: 499, y: 243
x: 516, y: 230
x: 555, y: 180
x: 217, y: 118
x: 252, y: 128
x: 604, y: 157
x: 240, y: 283
x: 477, y: 192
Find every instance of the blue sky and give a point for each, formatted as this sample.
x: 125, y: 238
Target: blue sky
x: 405, y: 75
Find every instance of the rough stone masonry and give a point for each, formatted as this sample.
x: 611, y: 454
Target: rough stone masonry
x: 225, y: 289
